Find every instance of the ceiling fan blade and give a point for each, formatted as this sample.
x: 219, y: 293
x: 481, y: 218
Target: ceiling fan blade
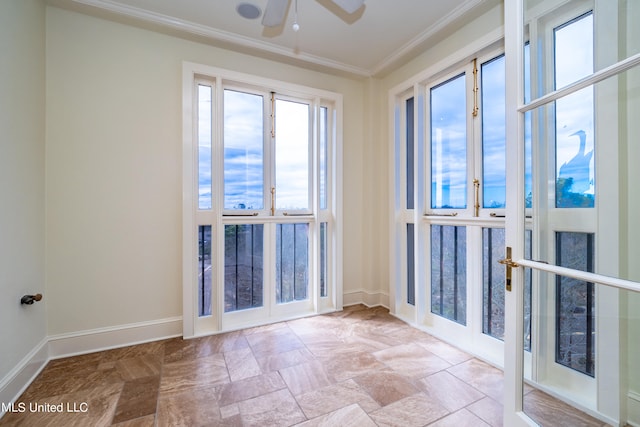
x: 274, y: 13
x: 349, y: 6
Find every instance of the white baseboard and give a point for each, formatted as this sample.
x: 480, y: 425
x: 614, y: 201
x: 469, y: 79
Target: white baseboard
x: 19, y: 378
x: 89, y: 341
x: 367, y: 298
x: 633, y: 408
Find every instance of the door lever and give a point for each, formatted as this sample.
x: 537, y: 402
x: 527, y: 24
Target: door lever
x: 509, y: 263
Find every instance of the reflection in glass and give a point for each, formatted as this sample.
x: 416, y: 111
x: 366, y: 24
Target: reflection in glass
x: 204, y: 146
x: 292, y: 262
x: 528, y: 276
x: 618, y: 37
x: 493, y: 282
x: 575, y: 304
x: 574, y: 115
x: 324, y: 147
x: 292, y: 155
x: 204, y: 270
x: 528, y: 148
x: 243, y: 266
x: 449, y: 272
x: 410, y: 148
x: 493, y: 133
x: 449, y: 145
x: 324, y: 268
x: 411, y: 264
x: 243, y: 150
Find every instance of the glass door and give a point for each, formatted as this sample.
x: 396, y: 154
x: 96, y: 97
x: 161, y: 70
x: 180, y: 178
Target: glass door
x: 571, y: 98
x: 267, y: 214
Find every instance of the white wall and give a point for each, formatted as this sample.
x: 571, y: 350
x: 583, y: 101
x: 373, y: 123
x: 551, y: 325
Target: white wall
x: 22, y: 187
x: 113, y: 169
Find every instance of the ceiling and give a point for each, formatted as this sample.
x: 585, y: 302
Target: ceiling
x: 376, y: 38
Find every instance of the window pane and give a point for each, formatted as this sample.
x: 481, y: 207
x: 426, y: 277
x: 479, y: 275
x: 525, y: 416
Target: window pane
x: 493, y: 134
x: 204, y: 146
x: 324, y: 250
x: 411, y: 263
x: 243, y: 150
x: 243, y: 266
x: 324, y: 141
x: 410, y: 145
x: 449, y: 272
x: 528, y: 147
x: 575, y: 304
x: 574, y: 116
x: 493, y: 282
x: 292, y: 155
x: 528, y: 279
x: 292, y: 262
x: 449, y: 145
x: 204, y: 270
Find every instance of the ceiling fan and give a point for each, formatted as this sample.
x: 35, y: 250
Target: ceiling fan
x: 277, y: 9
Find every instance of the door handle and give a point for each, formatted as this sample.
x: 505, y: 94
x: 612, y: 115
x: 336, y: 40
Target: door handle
x: 509, y: 263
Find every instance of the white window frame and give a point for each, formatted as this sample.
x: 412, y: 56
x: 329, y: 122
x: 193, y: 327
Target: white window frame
x: 193, y: 73
x: 471, y: 337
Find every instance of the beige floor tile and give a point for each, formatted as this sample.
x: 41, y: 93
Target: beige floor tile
x: 341, y: 369
x: 193, y: 407
x: 417, y: 410
x: 305, y: 377
x: 201, y: 372
x: 241, y: 364
x: 330, y: 398
x: 462, y: 418
x: 275, y: 341
x: 148, y: 421
x: 411, y: 360
x: 274, y: 409
x: 139, y: 398
x: 482, y: 376
x: 349, y: 365
x: 386, y: 387
x: 350, y: 416
x: 445, y: 351
x: 275, y: 362
x: 488, y: 410
x: 248, y: 388
x: 449, y: 391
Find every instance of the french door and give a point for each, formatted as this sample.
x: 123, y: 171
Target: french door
x: 450, y: 214
x: 263, y: 245
x: 571, y: 101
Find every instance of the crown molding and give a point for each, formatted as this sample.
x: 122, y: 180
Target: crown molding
x: 428, y: 33
x: 210, y: 33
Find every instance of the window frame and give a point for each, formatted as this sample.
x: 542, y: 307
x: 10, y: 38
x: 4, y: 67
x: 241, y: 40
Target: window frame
x: 219, y: 79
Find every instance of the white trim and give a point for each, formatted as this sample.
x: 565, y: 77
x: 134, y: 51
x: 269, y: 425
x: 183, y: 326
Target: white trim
x: 476, y: 48
x: 252, y: 43
x: 370, y: 299
x: 633, y: 408
x: 89, y: 341
x: 424, y: 36
x: 220, y: 35
x: 19, y: 378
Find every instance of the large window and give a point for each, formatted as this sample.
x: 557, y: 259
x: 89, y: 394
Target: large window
x: 264, y: 215
x: 450, y: 144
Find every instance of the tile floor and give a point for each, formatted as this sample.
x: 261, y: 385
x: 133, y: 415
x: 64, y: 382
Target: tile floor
x: 360, y: 367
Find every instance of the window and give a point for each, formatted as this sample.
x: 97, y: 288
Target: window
x: 261, y: 199
x: 450, y: 144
